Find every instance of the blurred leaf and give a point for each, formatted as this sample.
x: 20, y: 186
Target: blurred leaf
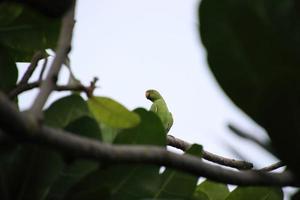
x: 33, y: 172
x: 149, y: 131
x: 178, y: 185
x: 85, y: 126
x: 296, y: 196
x: 8, y: 71
x: 8, y: 155
x: 257, y: 193
x: 76, y: 170
x: 215, y: 191
x: 9, y: 12
x: 108, y: 133
x: 200, y: 196
x: 253, y: 50
x: 253, y: 43
x: 65, y: 110
x: 118, y: 182
x: 27, y: 32
x: 112, y: 113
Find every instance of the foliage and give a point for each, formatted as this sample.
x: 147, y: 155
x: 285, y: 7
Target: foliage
x: 252, y: 43
x: 252, y: 50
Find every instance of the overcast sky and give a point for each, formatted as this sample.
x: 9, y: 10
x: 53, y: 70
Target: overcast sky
x: 135, y: 45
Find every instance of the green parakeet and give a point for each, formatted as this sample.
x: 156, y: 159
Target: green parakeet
x: 159, y: 107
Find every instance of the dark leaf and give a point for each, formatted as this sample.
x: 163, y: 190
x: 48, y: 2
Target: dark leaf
x: 27, y: 33
x: 65, y: 110
x: 257, y: 193
x: 253, y: 50
x: 8, y: 71
x: 215, y: 191
x: 76, y: 170
x: 32, y: 172
x: 178, y: 185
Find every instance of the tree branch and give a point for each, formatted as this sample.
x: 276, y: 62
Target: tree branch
x: 273, y: 166
x: 238, y: 164
x: 64, y: 46
x: 76, y: 88
x: 43, y: 69
x: 27, y: 130
x: 33, y: 64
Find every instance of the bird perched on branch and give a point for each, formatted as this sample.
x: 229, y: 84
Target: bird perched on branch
x: 159, y: 107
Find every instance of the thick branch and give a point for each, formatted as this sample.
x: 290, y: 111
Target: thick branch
x: 27, y: 131
x: 64, y: 46
x: 238, y: 164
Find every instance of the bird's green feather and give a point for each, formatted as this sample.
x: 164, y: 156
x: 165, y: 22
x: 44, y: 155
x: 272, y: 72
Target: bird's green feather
x: 160, y: 107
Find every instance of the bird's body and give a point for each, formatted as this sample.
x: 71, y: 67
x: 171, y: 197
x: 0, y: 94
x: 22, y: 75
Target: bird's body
x: 160, y: 107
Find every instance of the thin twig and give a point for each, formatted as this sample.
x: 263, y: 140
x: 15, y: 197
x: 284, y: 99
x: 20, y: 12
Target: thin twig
x: 63, y: 48
x: 24, y: 127
x: 272, y: 167
x: 183, y: 145
x: 33, y: 64
x: 75, y: 88
x: 43, y: 69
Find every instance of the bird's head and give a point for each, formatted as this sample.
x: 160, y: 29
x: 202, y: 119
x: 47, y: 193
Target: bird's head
x: 152, y: 95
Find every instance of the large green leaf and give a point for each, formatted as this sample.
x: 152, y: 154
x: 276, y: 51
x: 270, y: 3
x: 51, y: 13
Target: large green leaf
x: 8, y: 71
x: 112, y: 113
x: 215, y: 191
x: 75, y: 170
x: 32, y: 172
x: 27, y: 32
x: 253, y: 50
x: 65, y: 110
x: 118, y: 182
x: 178, y: 185
x: 257, y: 193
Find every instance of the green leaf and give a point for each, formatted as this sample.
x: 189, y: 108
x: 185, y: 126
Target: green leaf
x: 9, y: 12
x: 200, y: 196
x: 33, y: 172
x: 112, y: 113
x: 149, y: 131
x: 76, y: 170
x: 178, y: 185
x: 27, y: 32
x: 215, y: 191
x: 249, y: 43
x: 65, y: 110
x: 85, y: 126
x: 8, y: 154
x: 257, y: 193
x: 126, y: 181
x: 108, y: 133
x: 253, y: 51
x: 8, y: 71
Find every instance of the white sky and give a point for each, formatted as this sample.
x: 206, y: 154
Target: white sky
x: 135, y: 45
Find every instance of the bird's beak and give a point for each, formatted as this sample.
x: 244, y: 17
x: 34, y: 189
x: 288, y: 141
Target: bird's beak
x: 147, y: 94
